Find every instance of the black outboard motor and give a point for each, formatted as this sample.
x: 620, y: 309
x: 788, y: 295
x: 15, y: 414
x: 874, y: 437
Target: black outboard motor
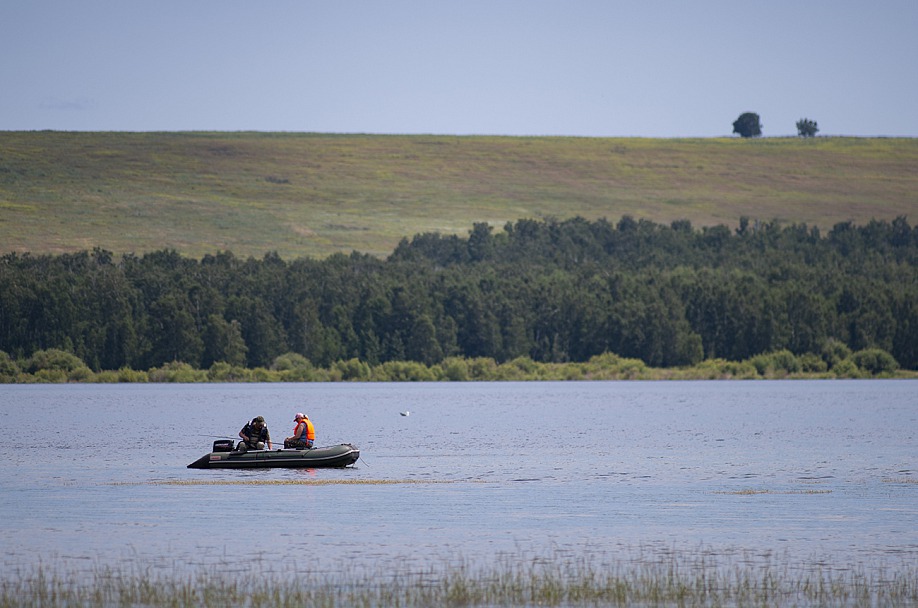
x: 223, y: 445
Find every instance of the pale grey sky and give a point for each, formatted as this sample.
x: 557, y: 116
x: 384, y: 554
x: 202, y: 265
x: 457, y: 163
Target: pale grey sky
x: 651, y: 68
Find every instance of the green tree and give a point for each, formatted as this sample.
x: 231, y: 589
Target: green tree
x: 481, y: 243
x: 422, y: 344
x: 806, y: 314
x: 174, y: 335
x: 834, y: 351
x: 8, y: 368
x: 223, y: 342
x: 261, y: 332
x: 747, y: 125
x: 807, y: 128
x: 53, y: 359
x: 560, y: 291
x: 875, y: 361
x: 905, y: 341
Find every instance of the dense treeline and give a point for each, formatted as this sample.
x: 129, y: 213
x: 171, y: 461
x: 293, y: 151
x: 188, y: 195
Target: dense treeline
x: 551, y: 291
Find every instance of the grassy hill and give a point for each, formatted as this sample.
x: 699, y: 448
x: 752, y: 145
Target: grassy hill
x: 316, y: 194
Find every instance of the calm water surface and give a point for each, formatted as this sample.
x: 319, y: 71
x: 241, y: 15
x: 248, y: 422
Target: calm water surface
x: 816, y: 471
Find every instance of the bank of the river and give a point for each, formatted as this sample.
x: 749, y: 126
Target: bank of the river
x: 58, y: 367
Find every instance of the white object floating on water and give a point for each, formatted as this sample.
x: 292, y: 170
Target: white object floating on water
x: 405, y: 413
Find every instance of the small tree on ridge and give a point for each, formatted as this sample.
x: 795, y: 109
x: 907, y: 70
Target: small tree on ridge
x: 747, y: 125
x: 807, y: 127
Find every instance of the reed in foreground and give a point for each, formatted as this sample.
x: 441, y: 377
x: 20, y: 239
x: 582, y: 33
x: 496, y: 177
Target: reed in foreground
x: 693, y: 581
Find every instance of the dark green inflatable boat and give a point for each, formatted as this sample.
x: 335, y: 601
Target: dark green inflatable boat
x: 332, y: 456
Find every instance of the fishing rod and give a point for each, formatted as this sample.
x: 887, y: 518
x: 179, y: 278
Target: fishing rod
x: 236, y: 438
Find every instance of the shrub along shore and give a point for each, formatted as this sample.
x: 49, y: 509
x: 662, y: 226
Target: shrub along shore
x: 835, y: 361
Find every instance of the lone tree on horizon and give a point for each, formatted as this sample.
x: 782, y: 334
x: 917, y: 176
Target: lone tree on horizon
x: 807, y: 128
x: 747, y: 125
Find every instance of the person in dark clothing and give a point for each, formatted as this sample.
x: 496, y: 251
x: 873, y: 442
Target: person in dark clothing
x: 255, y: 435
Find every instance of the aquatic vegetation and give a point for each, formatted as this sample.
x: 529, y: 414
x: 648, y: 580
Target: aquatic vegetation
x: 657, y: 580
x: 752, y: 492
x: 289, y: 482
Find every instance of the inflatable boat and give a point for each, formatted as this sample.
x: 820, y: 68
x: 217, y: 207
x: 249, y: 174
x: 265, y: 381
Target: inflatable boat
x: 225, y: 457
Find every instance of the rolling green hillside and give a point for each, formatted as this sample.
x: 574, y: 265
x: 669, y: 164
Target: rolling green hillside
x: 315, y: 194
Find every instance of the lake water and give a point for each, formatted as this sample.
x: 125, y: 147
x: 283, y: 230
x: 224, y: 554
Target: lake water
x: 818, y: 472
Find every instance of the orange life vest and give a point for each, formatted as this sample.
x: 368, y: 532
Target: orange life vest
x: 309, y: 433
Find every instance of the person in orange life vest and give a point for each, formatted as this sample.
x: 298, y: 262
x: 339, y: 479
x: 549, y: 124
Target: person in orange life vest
x: 255, y: 435
x: 304, y: 433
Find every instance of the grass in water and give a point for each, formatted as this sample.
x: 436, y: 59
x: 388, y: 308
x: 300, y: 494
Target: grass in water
x: 664, y: 580
x: 751, y: 492
x: 283, y: 482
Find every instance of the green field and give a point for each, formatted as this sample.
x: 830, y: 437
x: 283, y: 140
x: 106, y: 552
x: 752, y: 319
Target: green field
x: 315, y: 194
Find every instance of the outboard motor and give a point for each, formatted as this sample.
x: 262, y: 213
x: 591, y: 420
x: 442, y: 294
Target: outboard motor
x: 223, y: 445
